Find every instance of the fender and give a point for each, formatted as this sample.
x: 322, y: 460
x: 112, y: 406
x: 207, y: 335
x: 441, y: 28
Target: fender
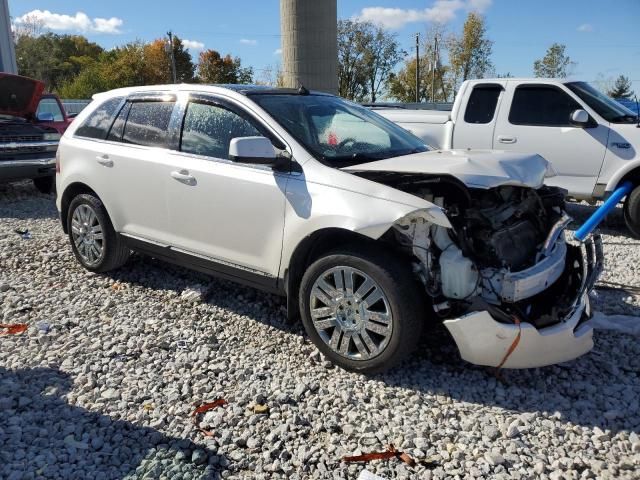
x: 615, y: 180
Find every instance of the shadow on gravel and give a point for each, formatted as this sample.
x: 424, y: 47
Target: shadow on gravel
x: 41, y: 435
x: 13, y: 202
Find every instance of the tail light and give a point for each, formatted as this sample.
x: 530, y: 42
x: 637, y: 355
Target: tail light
x: 58, y: 161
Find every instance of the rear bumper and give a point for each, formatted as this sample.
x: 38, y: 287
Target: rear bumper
x: 20, y: 169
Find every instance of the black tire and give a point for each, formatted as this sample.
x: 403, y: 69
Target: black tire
x: 114, y: 252
x: 44, y: 184
x: 632, y: 212
x: 405, y: 298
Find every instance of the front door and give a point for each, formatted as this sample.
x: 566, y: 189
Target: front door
x: 226, y: 212
x: 538, y: 121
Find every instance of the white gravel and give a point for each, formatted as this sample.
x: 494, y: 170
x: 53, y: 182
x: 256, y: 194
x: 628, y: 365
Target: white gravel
x: 103, y: 383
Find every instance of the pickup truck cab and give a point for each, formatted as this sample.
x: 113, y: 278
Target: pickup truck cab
x: 591, y: 140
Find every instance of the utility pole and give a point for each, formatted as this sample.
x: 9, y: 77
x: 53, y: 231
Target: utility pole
x: 417, y: 67
x: 433, y: 70
x: 173, y: 58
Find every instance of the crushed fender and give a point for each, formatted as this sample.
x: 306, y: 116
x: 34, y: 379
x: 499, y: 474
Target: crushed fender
x: 12, y: 329
x: 205, y: 407
x: 390, y: 453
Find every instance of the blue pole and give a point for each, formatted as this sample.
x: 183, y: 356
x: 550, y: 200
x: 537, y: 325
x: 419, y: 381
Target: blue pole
x: 594, y: 220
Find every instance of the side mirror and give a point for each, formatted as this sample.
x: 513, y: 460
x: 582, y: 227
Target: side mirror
x: 580, y: 118
x: 253, y: 150
x: 46, y: 117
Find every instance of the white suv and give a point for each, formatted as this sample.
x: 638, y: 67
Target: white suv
x: 370, y: 235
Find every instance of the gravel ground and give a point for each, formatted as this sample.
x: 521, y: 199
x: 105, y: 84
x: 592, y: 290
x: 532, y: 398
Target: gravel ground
x: 103, y: 383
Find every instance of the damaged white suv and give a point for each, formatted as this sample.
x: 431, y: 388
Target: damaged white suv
x: 371, y: 236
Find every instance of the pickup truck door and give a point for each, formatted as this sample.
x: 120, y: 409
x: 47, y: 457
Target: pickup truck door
x: 535, y: 118
x: 224, y: 212
x: 477, y: 118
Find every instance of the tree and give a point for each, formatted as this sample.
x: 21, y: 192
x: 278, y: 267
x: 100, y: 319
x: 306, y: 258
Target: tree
x: 213, y: 68
x: 555, y: 63
x: 621, y: 88
x: 271, y: 76
x: 367, y: 56
x: 470, y: 53
x: 158, y: 62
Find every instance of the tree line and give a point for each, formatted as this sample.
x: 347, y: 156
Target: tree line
x: 371, y: 63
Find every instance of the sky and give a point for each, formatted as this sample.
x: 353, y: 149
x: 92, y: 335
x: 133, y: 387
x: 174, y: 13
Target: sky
x: 601, y: 35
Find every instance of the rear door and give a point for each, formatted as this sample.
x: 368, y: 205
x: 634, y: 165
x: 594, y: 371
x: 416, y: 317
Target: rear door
x: 476, y: 122
x: 535, y: 118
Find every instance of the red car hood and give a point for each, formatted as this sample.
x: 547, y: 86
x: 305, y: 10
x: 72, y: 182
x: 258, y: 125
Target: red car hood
x: 19, y: 96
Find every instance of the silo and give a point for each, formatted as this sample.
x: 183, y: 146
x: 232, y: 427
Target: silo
x: 310, y: 44
x: 7, y: 54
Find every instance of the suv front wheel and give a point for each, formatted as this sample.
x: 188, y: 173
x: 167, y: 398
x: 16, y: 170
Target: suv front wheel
x: 632, y: 212
x: 363, y: 308
x: 95, y: 243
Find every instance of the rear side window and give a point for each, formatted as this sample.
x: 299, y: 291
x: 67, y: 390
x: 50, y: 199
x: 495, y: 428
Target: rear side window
x: 209, y: 129
x: 544, y: 106
x: 97, y: 124
x: 148, y: 124
x: 482, y: 104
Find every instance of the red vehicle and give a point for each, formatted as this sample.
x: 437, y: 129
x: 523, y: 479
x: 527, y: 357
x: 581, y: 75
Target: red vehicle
x: 31, y: 124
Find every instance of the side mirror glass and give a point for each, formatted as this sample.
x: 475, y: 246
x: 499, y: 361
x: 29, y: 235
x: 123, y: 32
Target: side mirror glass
x: 580, y: 118
x: 45, y: 117
x: 252, y: 150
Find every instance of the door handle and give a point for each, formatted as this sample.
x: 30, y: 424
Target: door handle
x: 104, y: 160
x: 503, y: 139
x: 184, y: 177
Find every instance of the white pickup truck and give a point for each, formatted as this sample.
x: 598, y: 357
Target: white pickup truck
x: 592, y: 141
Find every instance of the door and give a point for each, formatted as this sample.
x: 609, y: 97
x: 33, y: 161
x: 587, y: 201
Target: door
x: 135, y: 157
x: 50, y: 105
x: 538, y: 121
x: 226, y: 212
x: 475, y: 128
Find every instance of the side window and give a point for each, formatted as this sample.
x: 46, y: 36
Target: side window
x: 208, y: 130
x: 542, y: 106
x: 117, y: 129
x: 50, y: 105
x: 148, y: 123
x: 97, y: 124
x: 482, y: 104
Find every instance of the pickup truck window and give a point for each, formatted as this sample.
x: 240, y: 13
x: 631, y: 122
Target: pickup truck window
x: 209, y: 129
x: 482, y: 104
x: 541, y: 105
x: 97, y: 124
x: 337, y: 132
x: 50, y: 105
x: 148, y: 124
x: 606, y: 107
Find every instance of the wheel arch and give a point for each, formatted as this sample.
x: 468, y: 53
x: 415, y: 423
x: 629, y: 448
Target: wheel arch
x: 72, y: 191
x: 632, y: 172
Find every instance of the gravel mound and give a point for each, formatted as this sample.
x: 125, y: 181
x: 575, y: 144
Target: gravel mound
x: 103, y: 383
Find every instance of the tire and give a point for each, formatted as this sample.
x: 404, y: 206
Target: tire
x: 94, y: 242
x: 632, y: 212
x: 352, y: 316
x: 44, y: 184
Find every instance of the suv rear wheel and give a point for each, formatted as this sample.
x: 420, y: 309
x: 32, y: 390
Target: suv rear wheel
x: 362, y: 308
x: 95, y: 243
x: 632, y: 212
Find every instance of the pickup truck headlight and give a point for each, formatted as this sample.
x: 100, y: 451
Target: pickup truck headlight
x: 50, y: 137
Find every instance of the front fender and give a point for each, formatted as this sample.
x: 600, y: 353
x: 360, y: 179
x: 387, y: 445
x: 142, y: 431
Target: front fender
x: 617, y: 177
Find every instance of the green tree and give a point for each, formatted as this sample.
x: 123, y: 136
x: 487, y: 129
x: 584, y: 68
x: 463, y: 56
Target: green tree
x: 470, y: 53
x: 158, y: 62
x: 621, y: 88
x: 555, y: 64
x: 214, y: 68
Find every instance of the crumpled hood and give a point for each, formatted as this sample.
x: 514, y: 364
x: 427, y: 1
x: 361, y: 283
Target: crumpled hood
x: 475, y: 168
x: 19, y: 96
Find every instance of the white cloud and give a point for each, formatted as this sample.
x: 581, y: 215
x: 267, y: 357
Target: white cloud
x: 585, y: 27
x: 80, y: 22
x: 192, y: 44
x: 442, y: 11
x: 277, y: 51
x: 246, y: 41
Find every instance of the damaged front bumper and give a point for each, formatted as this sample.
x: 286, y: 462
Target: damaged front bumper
x: 482, y: 340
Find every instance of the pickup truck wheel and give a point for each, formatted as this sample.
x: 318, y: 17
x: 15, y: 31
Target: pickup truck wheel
x: 44, y: 184
x: 632, y: 212
x: 362, y: 308
x: 95, y: 243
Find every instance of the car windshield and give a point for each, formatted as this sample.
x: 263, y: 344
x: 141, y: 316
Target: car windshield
x: 337, y: 132
x: 605, y: 106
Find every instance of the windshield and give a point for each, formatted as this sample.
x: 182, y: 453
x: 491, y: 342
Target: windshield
x: 337, y: 132
x: 606, y: 107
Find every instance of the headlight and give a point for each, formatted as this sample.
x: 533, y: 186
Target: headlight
x: 49, y: 137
